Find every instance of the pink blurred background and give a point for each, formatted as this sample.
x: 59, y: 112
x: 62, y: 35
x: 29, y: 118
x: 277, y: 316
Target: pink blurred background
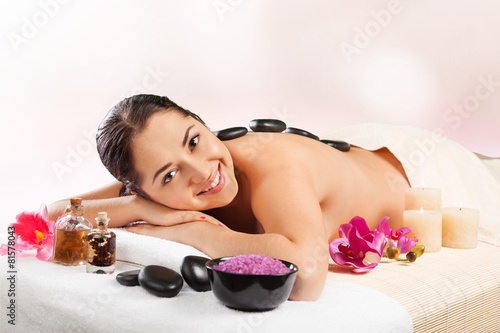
x: 318, y: 65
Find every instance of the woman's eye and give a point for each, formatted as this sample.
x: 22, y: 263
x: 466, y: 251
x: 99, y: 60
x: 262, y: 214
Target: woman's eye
x: 168, y: 177
x: 194, y: 141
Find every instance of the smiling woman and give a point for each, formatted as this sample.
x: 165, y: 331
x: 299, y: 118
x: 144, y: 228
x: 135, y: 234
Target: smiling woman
x: 277, y: 194
x: 180, y: 164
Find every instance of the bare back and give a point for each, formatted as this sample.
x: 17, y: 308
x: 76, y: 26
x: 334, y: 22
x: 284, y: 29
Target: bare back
x: 344, y: 184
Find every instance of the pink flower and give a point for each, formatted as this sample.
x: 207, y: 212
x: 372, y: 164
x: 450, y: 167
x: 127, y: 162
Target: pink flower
x: 358, y: 246
x: 34, y: 231
x: 397, y: 238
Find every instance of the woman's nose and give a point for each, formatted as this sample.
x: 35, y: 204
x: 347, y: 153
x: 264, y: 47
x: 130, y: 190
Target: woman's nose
x: 200, y: 172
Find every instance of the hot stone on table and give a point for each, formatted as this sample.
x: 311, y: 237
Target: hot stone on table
x: 128, y: 278
x: 160, y: 280
x: 195, y: 273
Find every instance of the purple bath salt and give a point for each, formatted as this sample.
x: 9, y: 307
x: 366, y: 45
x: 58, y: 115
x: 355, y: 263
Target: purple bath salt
x: 253, y: 264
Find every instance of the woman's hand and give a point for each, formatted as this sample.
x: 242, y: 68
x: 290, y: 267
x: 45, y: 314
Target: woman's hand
x: 160, y: 215
x: 182, y: 233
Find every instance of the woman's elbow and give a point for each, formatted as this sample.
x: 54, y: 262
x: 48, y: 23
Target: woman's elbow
x: 56, y: 209
x: 310, y: 280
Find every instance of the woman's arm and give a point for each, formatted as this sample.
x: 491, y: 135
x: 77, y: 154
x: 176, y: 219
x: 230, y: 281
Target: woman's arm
x: 126, y: 209
x: 93, y: 202
x: 219, y: 242
x: 289, y: 211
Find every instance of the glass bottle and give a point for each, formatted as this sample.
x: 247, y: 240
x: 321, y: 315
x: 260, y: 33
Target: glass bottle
x: 70, y: 243
x: 102, y: 247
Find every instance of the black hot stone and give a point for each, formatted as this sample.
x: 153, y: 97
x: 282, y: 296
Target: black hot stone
x: 160, y: 280
x: 267, y: 125
x: 128, y: 278
x: 231, y: 133
x: 195, y: 273
x: 340, y: 145
x: 302, y: 132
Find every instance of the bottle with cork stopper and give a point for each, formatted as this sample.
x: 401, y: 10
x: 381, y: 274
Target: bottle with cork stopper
x: 101, y: 254
x: 70, y: 242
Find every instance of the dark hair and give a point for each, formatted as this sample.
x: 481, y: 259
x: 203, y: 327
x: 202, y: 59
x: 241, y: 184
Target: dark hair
x: 121, y: 124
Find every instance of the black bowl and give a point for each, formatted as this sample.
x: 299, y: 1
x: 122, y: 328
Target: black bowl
x: 248, y: 292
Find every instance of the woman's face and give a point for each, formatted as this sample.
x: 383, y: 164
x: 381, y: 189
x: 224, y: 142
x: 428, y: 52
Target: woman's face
x: 182, y: 164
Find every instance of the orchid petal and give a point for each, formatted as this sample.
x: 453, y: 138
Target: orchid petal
x: 364, y: 269
x: 45, y: 251
x: 4, y: 249
x: 402, y: 232
x: 405, y: 244
x: 360, y: 224
x: 342, y: 259
x: 51, y: 226
x: 344, y: 230
x: 44, y: 212
x: 334, y: 245
x: 371, y: 258
x: 379, y: 242
x: 383, y: 226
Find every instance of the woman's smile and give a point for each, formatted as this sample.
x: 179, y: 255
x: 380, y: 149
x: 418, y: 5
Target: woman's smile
x: 215, y: 184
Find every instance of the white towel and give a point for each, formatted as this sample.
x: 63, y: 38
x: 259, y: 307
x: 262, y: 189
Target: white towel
x: 55, y: 298
x: 146, y: 250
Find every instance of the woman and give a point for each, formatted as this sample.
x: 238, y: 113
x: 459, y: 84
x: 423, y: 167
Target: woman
x: 278, y: 194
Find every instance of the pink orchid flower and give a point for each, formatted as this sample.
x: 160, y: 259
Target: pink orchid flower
x: 34, y: 231
x: 358, y: 246
x: 397, y: 238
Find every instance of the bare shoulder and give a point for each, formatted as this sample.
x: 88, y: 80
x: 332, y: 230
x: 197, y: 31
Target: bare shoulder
x: 258, y: 152
x: 288, y: 162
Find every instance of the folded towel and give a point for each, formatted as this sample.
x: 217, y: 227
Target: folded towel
x: 145, y: 250
x: 54, y: 298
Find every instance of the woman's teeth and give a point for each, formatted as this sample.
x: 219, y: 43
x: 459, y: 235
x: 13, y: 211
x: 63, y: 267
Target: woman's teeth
x: 214, y: 183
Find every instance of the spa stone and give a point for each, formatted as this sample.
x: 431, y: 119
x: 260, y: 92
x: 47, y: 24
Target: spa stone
x: 231, y: 133
x: 267, y: 125
x: 160, y: 280
x: 340, y: 145
x: 302, y: 132
x: 195, y: 273
x: 276, y: 126
x: 128, y: 278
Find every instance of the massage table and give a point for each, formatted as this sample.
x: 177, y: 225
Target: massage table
x: 453, y: 290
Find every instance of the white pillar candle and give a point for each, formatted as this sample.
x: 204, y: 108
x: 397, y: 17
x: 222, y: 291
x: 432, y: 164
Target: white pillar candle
x: 460, y: 227
x: 426, y: 225
x: 426, y: 198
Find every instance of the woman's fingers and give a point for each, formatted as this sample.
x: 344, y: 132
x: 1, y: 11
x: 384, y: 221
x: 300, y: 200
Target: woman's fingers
x: 172, y: 232
x: 173, y: 217
x: 149, y: 230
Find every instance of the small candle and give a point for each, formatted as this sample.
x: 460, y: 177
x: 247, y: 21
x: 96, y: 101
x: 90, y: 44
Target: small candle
x: 426, y: 198
x: 460, y: 227
x: 427, y: 226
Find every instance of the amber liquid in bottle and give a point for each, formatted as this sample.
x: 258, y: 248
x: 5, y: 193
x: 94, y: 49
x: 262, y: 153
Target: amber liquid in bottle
x: 70, y: 247
x: 70, y: 244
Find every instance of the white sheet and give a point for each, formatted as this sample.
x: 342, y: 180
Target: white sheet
x: 54, y: 298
